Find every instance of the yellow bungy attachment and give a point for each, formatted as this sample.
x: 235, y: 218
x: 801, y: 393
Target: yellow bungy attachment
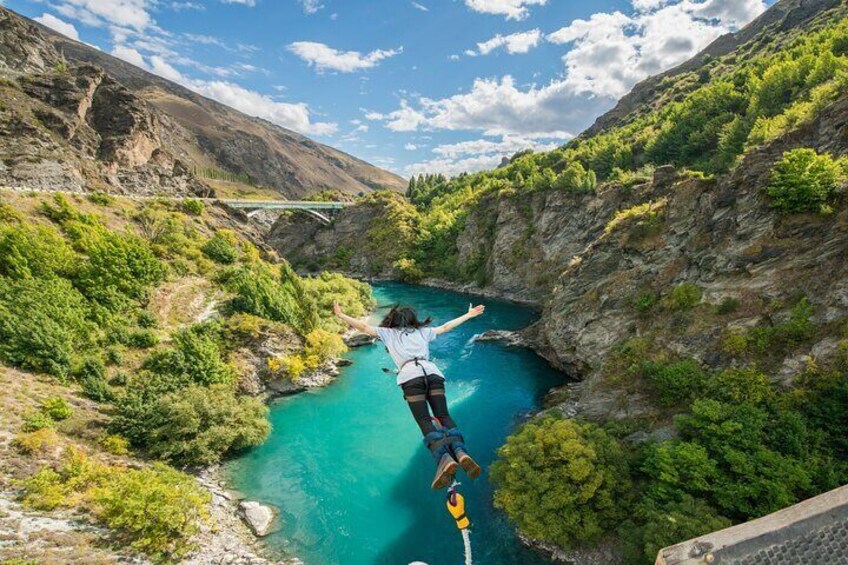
x: 456, y: 506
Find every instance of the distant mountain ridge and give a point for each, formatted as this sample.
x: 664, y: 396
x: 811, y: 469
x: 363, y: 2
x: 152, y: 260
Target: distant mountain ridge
x: 172, y: 134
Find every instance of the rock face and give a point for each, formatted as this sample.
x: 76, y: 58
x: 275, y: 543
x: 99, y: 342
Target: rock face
x: 259, y: 517
x: 309, y: 244
x: 78, y: 129
x: 76, y: 118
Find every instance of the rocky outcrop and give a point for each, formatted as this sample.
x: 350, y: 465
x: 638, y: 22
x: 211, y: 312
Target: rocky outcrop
x: 76, y: 128
x: 345, y: 243
x: 20, y: 50
x: 208, y: 134
x: 231, y: 540
x: 258, y: 517
x: 79, y: 119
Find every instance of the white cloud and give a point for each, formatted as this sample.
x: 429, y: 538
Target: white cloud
x: 249, y: 3
x: 494, y: 107
x: 126, y: 13
x: 161, y: 67
x: 515, y: 43
x: 452, y: 167
x: 323, y: 57
x: 296, y: 117
x: 479, y: 154
x: 507, y: 145
x: 410, y: 147
x: 130, y: 55
x: 512, y: 9
x: 405, y: 118
x: 612, y: 51
x: 311, y: 6
x: 56, y: 24
x: 421, y: 7
x: 185, y: 6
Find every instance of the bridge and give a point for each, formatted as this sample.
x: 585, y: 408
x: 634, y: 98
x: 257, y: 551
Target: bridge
x: 321, y: 210
x: 315, y: 208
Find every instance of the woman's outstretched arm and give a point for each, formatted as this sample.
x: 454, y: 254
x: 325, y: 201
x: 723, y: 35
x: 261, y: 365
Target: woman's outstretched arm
x: 353, y: 322
x: 473, y: 312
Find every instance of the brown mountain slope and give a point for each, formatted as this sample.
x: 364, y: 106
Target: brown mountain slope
x: 186, y: 130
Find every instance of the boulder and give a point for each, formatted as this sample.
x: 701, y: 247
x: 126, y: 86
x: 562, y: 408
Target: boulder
x: 359, y: 340
x: 259, y: 518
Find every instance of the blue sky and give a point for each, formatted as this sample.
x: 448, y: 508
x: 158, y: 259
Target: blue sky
x: 412, y: 86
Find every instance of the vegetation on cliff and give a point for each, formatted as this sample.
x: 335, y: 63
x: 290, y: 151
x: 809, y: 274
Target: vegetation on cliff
x: 85, y: 296
x: 702, y: 121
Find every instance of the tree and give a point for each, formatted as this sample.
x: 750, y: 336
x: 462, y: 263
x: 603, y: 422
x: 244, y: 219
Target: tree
x: 42, y: 324
x: 804, y: 181
x: 199, y: 425
x: 562, y: 481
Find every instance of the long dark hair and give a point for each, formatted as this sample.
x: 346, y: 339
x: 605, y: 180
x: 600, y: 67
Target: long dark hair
x: 402, y: 317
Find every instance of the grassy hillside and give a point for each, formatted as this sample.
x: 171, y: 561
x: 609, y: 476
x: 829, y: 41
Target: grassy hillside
x: 128, y: 340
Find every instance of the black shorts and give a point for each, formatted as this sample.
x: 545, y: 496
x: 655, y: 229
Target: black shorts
x: 423, y: 386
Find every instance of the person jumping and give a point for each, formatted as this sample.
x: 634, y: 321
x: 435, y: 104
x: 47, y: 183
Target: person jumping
x: 408, y: 342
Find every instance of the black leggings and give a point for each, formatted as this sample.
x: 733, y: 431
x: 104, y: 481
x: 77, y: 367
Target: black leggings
x: 421, y: 391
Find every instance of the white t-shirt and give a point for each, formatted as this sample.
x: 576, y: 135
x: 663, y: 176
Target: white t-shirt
x: 407, y: 344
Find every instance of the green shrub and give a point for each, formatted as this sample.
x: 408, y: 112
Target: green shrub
x: 91, y: 375
x: 39, y: 441
x: 142, y: 339
x: 199, y: 425
x: 156, y: 509
x: 280, y: 297
x: 115, y: 444
x: 146, y: 319
x: 114, y: 356
x: 755, y: 477
x: 804, y: 181
x: 42, y: 324
x: 670, y: 523
x: 57, y: 408
x: 192, y: 207
x: 645, y: 302
x: 728, y: 305
x: 221, y: 247
x: 777, y: 338
x: 119, y: 267
x: 408, y: 271
x: 741, y: 386
x: 684, y: 296
x: 645, y: 218
x: 34, y: 251
x: 561, y: 481
x: 196, y: 358
x: 354, y: 297
x: 37, y: 421
x: 673, y: 383
x: 100, y: 198
x: 44, y: 490
x: 575, y: 178
x: 321, y: 345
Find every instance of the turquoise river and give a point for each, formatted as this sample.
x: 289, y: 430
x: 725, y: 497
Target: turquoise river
x: 346, y: 465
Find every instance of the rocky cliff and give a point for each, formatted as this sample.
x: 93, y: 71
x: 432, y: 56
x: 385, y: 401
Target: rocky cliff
x: 603, y: 263
x: 76, y: 118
